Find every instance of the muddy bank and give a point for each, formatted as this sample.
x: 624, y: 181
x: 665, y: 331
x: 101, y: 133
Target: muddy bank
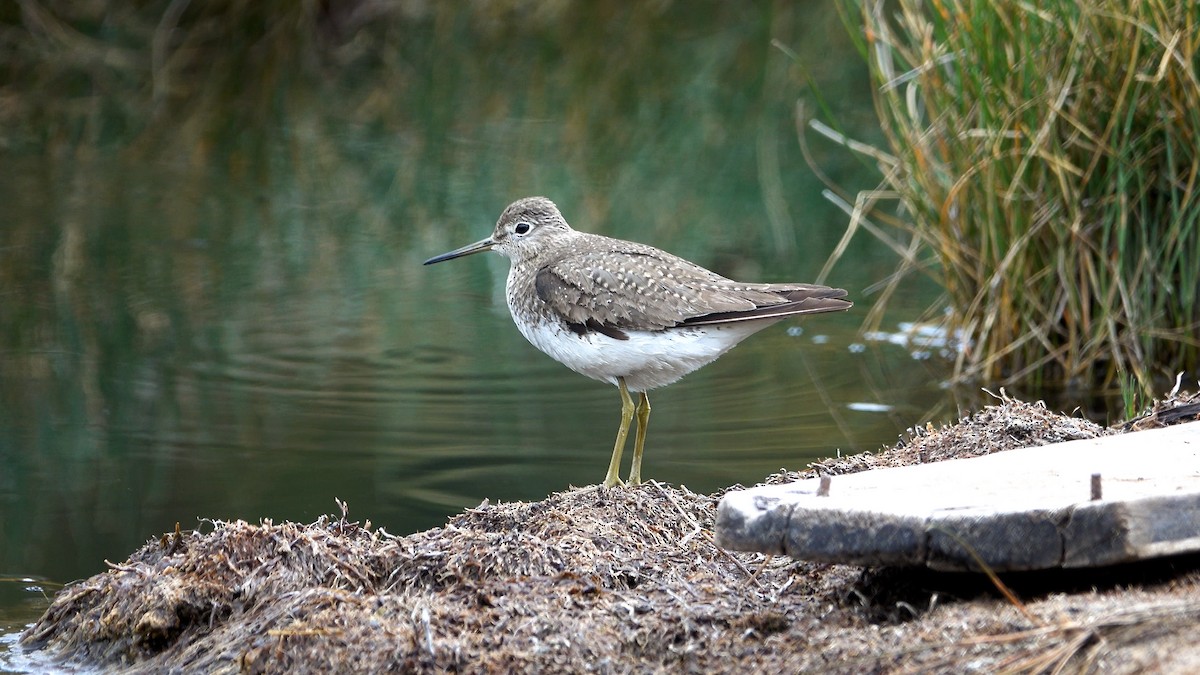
x: 616, y: 580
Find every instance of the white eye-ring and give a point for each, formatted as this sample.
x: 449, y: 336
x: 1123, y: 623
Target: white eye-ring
x: 521, y: 228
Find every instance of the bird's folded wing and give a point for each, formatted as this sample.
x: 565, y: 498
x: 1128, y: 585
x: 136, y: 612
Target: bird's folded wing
x: 631, y: 290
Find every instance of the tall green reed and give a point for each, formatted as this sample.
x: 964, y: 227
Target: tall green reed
x: 1046, y: 158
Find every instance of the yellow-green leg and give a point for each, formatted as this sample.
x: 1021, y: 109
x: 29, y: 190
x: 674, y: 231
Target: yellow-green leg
x: 639, y: 440
x: 614, y: 466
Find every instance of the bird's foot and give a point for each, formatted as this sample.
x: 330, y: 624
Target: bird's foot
x: 613, y: 480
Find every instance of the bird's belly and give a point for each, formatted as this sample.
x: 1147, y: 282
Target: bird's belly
x: 647, y: 360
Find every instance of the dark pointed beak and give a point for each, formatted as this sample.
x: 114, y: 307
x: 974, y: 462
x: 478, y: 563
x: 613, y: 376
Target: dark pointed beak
x: 477, y: 247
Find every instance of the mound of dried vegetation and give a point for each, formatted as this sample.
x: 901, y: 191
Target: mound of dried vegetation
x: 609, y: 580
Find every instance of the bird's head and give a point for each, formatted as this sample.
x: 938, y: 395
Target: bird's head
x: 521, y: 232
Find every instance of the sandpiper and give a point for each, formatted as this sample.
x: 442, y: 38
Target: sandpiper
x: 627, y: 313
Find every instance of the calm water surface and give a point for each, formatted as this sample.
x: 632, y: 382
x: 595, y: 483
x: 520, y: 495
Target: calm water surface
x: 218, y: 309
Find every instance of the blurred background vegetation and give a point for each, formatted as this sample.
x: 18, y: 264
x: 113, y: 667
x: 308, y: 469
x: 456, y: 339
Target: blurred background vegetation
x: 219, y: 83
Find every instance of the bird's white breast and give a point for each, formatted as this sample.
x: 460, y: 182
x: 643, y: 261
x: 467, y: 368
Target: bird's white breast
x: 647, y: 360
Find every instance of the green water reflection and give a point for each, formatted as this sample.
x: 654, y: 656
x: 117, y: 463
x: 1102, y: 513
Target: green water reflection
x: 213, y: 303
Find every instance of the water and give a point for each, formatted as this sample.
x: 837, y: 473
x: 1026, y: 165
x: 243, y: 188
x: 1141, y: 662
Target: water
x: 215, y: 308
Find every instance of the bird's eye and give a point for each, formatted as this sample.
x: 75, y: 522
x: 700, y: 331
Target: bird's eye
x: 521, y: 228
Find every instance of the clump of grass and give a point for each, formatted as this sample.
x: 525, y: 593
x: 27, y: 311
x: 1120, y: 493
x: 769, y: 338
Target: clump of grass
x: 1047, y: 159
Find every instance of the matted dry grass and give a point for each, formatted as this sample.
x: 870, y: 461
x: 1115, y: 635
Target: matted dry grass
x: 611, y: 580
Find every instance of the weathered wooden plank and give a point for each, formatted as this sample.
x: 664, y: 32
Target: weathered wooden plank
x: 1023, y: 509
